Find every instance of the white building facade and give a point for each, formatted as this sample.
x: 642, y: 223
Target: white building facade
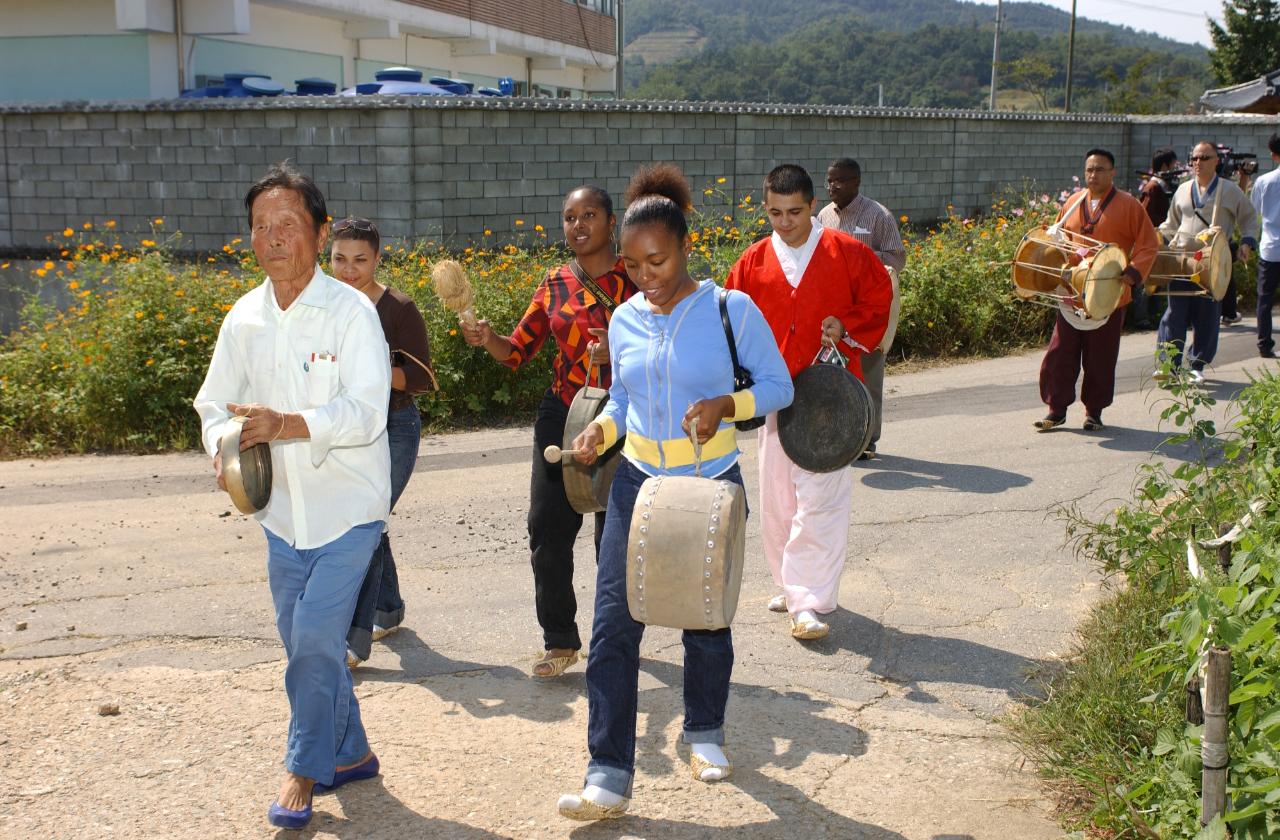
x: 152, y: 49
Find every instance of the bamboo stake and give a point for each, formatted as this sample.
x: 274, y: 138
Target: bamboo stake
x: 1224, y: 550
x: 1213, y: 743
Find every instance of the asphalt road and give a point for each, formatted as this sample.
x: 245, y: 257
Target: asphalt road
x: 138, y: 585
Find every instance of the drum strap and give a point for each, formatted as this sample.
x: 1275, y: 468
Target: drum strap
x: 1088, y: 221
x: 592, y: 286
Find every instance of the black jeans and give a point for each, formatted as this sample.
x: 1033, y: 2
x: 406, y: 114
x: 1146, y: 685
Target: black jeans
x: 1268, y: 279
x: 553, y: 528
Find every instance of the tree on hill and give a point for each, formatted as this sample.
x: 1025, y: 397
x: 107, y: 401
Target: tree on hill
x: 842, y: 61
x: 1032, y: 74
x: 1249, y: 45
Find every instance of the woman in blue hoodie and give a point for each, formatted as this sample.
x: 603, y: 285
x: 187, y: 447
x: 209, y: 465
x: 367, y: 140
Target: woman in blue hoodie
x: 672, y: 373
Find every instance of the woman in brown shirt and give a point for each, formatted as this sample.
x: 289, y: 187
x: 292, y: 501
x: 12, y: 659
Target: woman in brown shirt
x: 354, y: 260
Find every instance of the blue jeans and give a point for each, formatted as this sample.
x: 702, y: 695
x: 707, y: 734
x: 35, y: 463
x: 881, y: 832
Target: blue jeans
x: 314, y: 592
x: 1201, y: 314
x: 1268, y: 279
x: 613, y: 664
x: 380, y: 602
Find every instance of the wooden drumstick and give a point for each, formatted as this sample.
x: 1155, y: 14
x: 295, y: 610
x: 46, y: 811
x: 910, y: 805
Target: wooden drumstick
x: 554, y: 453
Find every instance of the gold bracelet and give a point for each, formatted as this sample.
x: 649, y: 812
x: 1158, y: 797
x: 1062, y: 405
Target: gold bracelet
x: 280, y: 431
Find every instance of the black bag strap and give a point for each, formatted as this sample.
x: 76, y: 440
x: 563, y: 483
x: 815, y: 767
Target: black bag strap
x: 738, y: 373
x: 592, y: 286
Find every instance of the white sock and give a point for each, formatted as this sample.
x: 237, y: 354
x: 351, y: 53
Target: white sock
x: 714, y: 754
x: 600, y: 796
x: 806, y: 615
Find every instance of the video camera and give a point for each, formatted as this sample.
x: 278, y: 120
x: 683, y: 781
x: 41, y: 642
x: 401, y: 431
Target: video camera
x: 1231, y: 162
x: 1171, y: 177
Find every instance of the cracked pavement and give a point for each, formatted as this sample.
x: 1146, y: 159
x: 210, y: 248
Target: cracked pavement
x: 139, y: 586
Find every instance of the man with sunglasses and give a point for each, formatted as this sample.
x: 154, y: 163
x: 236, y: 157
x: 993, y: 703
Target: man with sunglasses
x: 1205, y: 200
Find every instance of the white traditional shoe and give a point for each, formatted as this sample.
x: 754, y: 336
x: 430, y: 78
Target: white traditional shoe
x: 708, y: 771
x: 1196, y: 376
x: 805, y: 626
x: 575, y: 806
x: 778, y: 603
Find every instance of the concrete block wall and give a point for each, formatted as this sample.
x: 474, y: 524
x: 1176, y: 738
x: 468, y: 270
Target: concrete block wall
x: 436, y: 168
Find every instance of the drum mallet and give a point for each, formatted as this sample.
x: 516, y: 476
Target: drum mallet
x: 554, y: 453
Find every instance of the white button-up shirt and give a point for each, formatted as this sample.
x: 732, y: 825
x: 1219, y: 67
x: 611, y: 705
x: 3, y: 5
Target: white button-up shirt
x: 325, y: 358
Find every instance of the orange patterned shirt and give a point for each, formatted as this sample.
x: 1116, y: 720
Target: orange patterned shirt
x: 564, y: 308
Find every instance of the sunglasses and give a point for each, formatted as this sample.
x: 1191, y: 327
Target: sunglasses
x: 355, y: 224
x: 1195, y: 158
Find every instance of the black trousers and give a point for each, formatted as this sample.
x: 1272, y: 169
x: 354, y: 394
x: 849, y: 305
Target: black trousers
x: 553, y: 528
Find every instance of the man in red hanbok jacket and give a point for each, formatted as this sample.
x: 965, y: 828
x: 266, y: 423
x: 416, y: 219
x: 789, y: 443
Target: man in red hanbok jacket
x: 809, y: 282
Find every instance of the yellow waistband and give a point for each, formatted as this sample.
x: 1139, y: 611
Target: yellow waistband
x: 678, y: 451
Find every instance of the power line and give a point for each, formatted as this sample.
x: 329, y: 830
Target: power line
x: 1151, y: 8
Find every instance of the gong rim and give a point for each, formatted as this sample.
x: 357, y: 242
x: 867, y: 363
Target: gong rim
x: 829, y: 422
x: 247, y: 474
x: 587, y: 486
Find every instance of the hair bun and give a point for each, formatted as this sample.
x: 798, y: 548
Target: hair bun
x: 661, y: 179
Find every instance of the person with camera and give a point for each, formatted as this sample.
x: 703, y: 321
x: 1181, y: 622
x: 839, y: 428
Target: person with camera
x: 1206, y: 200
x: 1265, y: 199
x: 1155, y: 195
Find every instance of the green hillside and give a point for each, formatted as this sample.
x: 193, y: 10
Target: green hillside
x: 729, y: 23
x: 926, y: 53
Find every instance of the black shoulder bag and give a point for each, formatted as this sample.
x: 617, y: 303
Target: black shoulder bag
x: 741, y: 376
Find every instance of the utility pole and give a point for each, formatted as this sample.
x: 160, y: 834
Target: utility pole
x: 995, y: 56
x: 1071, y: 55
x: 617, y: 68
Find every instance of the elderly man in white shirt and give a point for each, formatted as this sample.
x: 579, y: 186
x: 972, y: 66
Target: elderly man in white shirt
x: 303, y: 358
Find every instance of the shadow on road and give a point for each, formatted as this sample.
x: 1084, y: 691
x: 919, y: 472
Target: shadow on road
x: 894, y: 472
x: 792, y: 718
x: 910, y: 659
x: 794, y: 815
x: 374, y: 813
x: 483, y: 690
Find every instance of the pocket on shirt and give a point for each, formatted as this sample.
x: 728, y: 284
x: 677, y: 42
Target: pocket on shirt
x: 322, y: 381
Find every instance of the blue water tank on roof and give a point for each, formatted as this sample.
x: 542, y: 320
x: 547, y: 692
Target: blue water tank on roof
x: 313, y: 86
x: 458, y: 86
x: 261, y: 86
x: 413, y: 89
x: 398, y: 74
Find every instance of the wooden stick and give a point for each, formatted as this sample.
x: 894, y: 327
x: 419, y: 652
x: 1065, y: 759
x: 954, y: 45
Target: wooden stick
x: 554, y: 453
x: 1217, y: 199
x: 1213, y: 744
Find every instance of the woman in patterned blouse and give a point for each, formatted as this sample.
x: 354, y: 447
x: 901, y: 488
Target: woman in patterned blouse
x: 578, y: 320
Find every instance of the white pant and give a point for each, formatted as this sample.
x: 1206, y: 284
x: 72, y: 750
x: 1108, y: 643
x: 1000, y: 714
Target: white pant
x: 804, y: 524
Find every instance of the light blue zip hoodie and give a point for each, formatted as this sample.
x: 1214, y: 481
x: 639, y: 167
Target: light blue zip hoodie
x: 662, y: 364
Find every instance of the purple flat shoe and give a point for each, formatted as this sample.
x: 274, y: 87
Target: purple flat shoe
x: 365, y: 770
x: 282, y: 817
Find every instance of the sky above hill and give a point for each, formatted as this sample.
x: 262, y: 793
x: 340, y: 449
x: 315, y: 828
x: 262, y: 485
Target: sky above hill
x: 1181, y: 20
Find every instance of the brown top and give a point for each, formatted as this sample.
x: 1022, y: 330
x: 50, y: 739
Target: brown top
x: 1155, y: 198
x: 405, y: 331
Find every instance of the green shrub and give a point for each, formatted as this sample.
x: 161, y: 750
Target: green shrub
x: 118, y: 369
x: 1139, y: 771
